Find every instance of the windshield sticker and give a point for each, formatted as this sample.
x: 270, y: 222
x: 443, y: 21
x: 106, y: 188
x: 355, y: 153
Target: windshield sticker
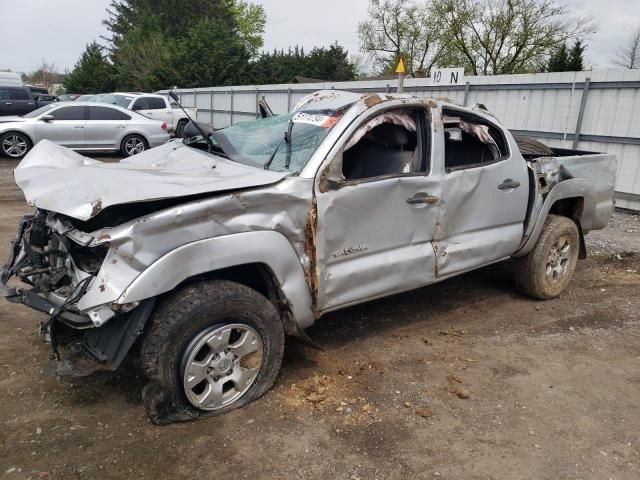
x: 317, y: 119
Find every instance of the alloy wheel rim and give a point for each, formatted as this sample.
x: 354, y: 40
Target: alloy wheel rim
x: 220, y: 365
x: 14, y: 146
x: 558, y: 260
x: 134, y: 145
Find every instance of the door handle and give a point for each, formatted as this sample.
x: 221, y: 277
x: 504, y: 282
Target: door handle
x: 8, y: 103
x: 508, y: 184
x: 79, y: 126
x: 422, y: 198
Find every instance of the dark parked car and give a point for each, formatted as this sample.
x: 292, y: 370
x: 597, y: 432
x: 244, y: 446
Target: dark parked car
x: 22, y: 100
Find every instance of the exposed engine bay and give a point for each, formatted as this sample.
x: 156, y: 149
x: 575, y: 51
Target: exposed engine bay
x: 50, y: 267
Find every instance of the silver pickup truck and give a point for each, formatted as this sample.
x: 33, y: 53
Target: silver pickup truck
x: 205, y: 252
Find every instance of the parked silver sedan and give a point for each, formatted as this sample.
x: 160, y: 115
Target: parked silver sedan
x: 87, y: 126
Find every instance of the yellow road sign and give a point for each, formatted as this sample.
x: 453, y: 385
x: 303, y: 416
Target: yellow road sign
x: 400, y: 66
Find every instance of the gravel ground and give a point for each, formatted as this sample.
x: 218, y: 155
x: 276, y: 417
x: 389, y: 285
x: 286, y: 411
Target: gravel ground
x: 466, y: 379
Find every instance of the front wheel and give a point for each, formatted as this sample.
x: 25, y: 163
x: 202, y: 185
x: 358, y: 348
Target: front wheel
x: 546, y: 270
x: 15, y: 145
x: 132, y: 145
x: 211, y: 347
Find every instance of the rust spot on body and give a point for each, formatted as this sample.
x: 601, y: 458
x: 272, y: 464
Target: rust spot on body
x: 311, y: 274
x: 372, y: 100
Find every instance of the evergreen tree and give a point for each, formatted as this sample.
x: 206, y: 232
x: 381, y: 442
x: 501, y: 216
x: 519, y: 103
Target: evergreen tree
x: 576, y: 57
x: 330, y: 64
x: 209, y: 54
x: 92, y: 73
x: 559, y: 60
x: 161, y: 43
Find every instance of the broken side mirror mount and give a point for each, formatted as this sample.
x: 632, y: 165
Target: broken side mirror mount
x: 332, y: 178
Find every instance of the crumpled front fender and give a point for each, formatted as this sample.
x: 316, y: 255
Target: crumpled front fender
x: 267, y: 247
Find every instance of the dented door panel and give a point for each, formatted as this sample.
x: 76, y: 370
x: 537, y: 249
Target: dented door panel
x: 371, y: 242
x: 483, y: 213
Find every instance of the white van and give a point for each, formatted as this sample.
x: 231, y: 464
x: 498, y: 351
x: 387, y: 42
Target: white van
x: 10, y: 78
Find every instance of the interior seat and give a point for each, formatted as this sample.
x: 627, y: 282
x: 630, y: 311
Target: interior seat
x: 384, y: 150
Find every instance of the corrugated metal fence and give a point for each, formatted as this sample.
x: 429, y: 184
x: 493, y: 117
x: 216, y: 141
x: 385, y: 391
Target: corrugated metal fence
x: 593, y: 111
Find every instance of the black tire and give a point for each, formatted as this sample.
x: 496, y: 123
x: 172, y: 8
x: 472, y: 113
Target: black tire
x: 532, y: 271
x: 180, y: 128
x: 139, y: 141
x: 529, y: 147
x: 8, y: 145
x: 184, y: 316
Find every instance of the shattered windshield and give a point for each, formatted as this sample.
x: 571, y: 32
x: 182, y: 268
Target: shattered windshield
x: 262, y: 142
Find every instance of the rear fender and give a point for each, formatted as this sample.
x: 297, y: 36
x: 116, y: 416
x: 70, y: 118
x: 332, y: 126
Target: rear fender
x: 571, y: 188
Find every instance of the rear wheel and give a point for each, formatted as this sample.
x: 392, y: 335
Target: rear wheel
x: 211, y: 347
x: 132, y: 145
x: 546, y: 270
x: 15, y: 145
x: 180, y: 128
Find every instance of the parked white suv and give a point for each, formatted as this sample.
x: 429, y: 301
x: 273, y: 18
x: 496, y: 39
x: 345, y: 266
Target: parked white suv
x: 157, y: 107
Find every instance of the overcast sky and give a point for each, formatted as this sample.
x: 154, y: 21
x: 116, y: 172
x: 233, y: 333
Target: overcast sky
x: 58, y: 30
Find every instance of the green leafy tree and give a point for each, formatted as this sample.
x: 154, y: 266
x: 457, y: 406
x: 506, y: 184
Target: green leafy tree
x: 251, y: 21
x: 92, y: 73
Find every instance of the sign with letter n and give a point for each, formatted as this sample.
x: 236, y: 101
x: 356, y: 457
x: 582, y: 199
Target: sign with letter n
x: 447, y: 76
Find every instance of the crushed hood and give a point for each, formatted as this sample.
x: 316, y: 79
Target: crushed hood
x: 57, y: 179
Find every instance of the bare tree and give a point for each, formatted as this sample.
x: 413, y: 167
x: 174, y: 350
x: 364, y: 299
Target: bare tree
x: 628, y: 56
x: 402, y: 27
x: 508, y: 36
x: 46, y: 75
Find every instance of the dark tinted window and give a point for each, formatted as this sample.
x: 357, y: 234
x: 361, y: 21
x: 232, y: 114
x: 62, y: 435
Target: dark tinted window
x: 4, y: 94
x: 106, y: 113
x: 156, y: 103
x: 18, y: 94
x: 149, y: 103
x: 68, y: 113
x: 140, y: 104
